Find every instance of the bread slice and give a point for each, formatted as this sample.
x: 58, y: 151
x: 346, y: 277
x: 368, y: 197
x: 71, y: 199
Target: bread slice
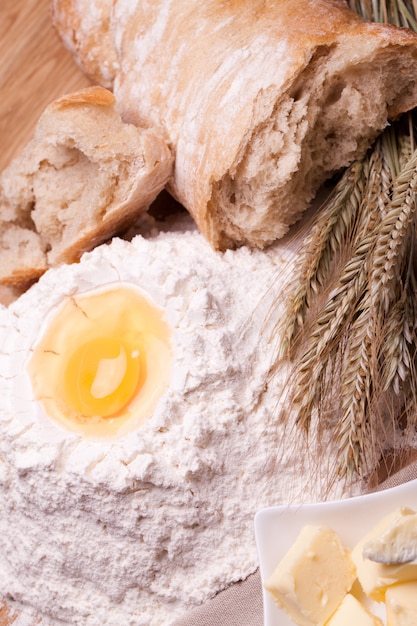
x: 260, y: 100
x: 83, y: 177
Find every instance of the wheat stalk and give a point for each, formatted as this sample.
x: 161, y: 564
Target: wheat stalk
x: 356, y: 397
x: 385, y: 302
x: 399, y: 360
x: 398, y: 12
x: 330, y: 232
x: 358, y: 342
x: 391, y: 238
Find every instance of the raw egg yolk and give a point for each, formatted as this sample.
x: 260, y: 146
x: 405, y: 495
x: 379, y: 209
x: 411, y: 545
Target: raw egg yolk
x: 102, y: 377
x: 103, y: 361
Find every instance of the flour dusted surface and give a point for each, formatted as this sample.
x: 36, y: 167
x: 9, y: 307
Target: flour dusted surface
x: 139, y: 529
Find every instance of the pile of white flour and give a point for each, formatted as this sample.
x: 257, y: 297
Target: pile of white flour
x: 137, y: 530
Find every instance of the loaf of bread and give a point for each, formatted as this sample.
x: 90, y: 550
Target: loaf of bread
x: 84, y: 176
x: 261, y: 100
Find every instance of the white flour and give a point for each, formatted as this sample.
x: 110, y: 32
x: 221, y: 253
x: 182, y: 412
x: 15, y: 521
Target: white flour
x: 137, y: 530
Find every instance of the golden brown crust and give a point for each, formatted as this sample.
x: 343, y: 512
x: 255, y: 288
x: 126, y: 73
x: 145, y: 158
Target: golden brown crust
x: 90, y: 95
x: 251, y: 96
x: 73, y: 22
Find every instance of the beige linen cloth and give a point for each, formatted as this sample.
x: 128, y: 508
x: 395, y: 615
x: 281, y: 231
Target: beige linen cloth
x: 241, y: 604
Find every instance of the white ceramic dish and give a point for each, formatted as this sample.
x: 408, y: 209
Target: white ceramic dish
x: 276, y: 529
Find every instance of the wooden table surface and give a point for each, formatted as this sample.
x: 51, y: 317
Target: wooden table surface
x: 34, y: 70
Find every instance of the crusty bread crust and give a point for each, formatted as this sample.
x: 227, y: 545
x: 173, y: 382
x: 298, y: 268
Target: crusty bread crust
x: 77, y: 29
x: 83, y: 177
x: 261, y: 100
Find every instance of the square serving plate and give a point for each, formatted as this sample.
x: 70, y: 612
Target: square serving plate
x: 276, y: 529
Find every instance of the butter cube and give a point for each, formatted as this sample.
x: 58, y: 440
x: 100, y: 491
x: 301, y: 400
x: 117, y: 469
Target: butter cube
x: 401, y: 604
x: 375, y: 577
x: 313, y: 577
x: 351, y: 612
x: 398, y: 542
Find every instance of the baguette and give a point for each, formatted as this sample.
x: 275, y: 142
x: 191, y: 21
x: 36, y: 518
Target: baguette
x: 83, y: 177
x: 261, y: 100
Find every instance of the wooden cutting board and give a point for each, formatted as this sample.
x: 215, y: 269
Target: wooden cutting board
x: 34, y: 70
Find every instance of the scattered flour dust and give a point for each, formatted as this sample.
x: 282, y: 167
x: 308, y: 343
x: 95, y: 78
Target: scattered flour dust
x: 138, y: 530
